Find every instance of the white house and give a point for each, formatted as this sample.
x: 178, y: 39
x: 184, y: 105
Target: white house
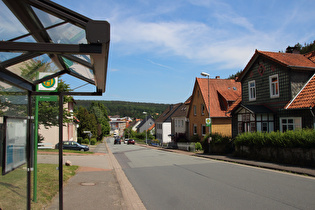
x: 163, y: 125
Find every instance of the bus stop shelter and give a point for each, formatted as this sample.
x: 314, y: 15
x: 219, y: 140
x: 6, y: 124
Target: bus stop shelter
x: 40, y: 36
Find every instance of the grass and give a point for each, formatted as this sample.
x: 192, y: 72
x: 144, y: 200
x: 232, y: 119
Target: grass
x: 48, y: 183
x: 65, y: 151
x: 13, y: 186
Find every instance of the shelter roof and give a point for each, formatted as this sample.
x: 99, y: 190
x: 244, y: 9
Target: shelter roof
x: 41, y: 36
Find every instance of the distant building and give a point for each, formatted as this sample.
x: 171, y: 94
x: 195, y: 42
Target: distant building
x: 118, y: 124
x: 145, y: 124
x: 163, y: 128
x: 180, y: 123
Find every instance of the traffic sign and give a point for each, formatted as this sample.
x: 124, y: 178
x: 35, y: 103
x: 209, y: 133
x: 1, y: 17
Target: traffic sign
x: 49, y: 85
x: 208, y: 122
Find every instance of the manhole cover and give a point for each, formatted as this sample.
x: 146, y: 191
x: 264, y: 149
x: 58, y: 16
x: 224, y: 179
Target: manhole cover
x: 87, y: 184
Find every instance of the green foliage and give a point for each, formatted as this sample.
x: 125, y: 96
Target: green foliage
x: 100, y: 112
x: 198, y: 146
x: 93, y: 141
x: 80, y: 140
x: 306, y: 48
x: 304, y: 138
x: 233, y: 76
x: 88, y: 122
x: 130, y: 109
x: 85, y: 141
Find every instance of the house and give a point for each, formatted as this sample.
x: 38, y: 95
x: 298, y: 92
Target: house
x: 277, y: 91
x: 163, y: 128
x: 51, y: 134
x: 118, y: 124
x: 180, y: 123
x: 145, y: 124
x: 222, y: 94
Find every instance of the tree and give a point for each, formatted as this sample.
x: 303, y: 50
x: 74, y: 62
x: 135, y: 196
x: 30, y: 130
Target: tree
x: 88, y: 122
x: 233, y: 76
x: 100, y: 112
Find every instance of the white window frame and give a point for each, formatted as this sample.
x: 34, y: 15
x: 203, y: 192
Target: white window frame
x: 271, y: 86
x: 252, y: 97
x: 297, y: 122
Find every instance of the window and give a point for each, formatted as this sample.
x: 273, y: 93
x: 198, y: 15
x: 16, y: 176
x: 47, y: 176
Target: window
x: 291, y: 123
x: 252, y: 90
x: 195, y: 129
x: 203, y: 128
x: 195, y: 111
x: 202, y: 109
x: 274, y: 86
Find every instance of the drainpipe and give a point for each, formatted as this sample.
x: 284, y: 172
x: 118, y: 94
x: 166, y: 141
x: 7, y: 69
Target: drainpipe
x: 313, y: 117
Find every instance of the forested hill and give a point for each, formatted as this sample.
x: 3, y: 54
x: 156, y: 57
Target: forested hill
x: 125, y: 108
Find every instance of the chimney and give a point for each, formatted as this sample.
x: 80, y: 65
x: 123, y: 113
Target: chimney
x: 217, y: 77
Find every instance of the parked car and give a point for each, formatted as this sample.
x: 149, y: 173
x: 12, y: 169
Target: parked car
x: 131, y: 141
x: 126, y: 141
x: 72, y: 145
x: 117, y: 141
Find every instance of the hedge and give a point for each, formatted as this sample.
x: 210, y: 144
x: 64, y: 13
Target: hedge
x: 303, y: 138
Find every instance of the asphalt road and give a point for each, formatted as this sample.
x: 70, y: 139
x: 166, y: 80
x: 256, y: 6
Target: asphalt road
x: 165, y: 180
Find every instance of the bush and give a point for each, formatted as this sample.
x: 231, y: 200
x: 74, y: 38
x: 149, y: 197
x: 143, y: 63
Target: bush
x: 85, y: 141
x: 195, y: 138
x: 304, y: 138
x: 93, y: 141
x: 80, y: 140
x: 198, y: 146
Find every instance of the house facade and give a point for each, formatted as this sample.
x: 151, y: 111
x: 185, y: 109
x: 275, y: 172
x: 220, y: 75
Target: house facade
x: 180, y: 122
x: 222, y: 94
x: 271, y: 81
x: 51, y: 134
x: 145, y: 124
x: 163, y: 125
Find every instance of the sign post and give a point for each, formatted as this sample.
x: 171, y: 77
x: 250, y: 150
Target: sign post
x: 46, y: 86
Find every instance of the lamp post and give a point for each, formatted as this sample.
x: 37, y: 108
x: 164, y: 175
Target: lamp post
x: 208, y: 75
x: 145, y: 129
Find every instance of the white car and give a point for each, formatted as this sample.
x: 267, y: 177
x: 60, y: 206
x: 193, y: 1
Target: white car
x: 126, y: 141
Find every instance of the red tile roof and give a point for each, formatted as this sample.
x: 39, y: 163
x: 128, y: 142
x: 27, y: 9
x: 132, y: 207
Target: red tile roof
x: 228, y: 88
x: 290, y: 60
x: 305, y: 98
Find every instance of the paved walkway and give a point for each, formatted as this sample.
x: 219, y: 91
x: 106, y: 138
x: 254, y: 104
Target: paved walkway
x: 99, y: 182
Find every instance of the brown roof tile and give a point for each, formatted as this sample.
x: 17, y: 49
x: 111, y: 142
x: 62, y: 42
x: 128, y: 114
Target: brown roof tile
x: 289, y: 59
x: 305, y: 98
x: 229, y: 87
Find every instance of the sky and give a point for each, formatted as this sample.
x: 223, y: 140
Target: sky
x: 158, y: 48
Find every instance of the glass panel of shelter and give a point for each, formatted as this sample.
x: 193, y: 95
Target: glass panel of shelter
x: 28, y: 69
x: 13, y: 102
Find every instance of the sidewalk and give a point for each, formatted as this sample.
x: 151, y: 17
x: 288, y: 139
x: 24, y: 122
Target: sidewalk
x: 99, y: 178
x: 229, y: 158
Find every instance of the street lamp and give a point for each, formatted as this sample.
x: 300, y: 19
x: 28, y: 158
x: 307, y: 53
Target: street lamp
x: 145, y: 129
x: 208, y: 75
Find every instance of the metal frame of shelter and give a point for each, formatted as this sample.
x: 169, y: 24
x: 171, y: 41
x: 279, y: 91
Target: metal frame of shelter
x: 69, y: 42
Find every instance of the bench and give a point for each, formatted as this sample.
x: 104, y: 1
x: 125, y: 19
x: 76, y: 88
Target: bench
x: 45, y: 145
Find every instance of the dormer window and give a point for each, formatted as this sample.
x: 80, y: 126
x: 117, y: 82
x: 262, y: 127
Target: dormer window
x: 274, y: 86
x: 252, y: 90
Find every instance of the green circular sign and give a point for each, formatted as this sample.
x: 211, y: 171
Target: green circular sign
x: 49, y: 83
